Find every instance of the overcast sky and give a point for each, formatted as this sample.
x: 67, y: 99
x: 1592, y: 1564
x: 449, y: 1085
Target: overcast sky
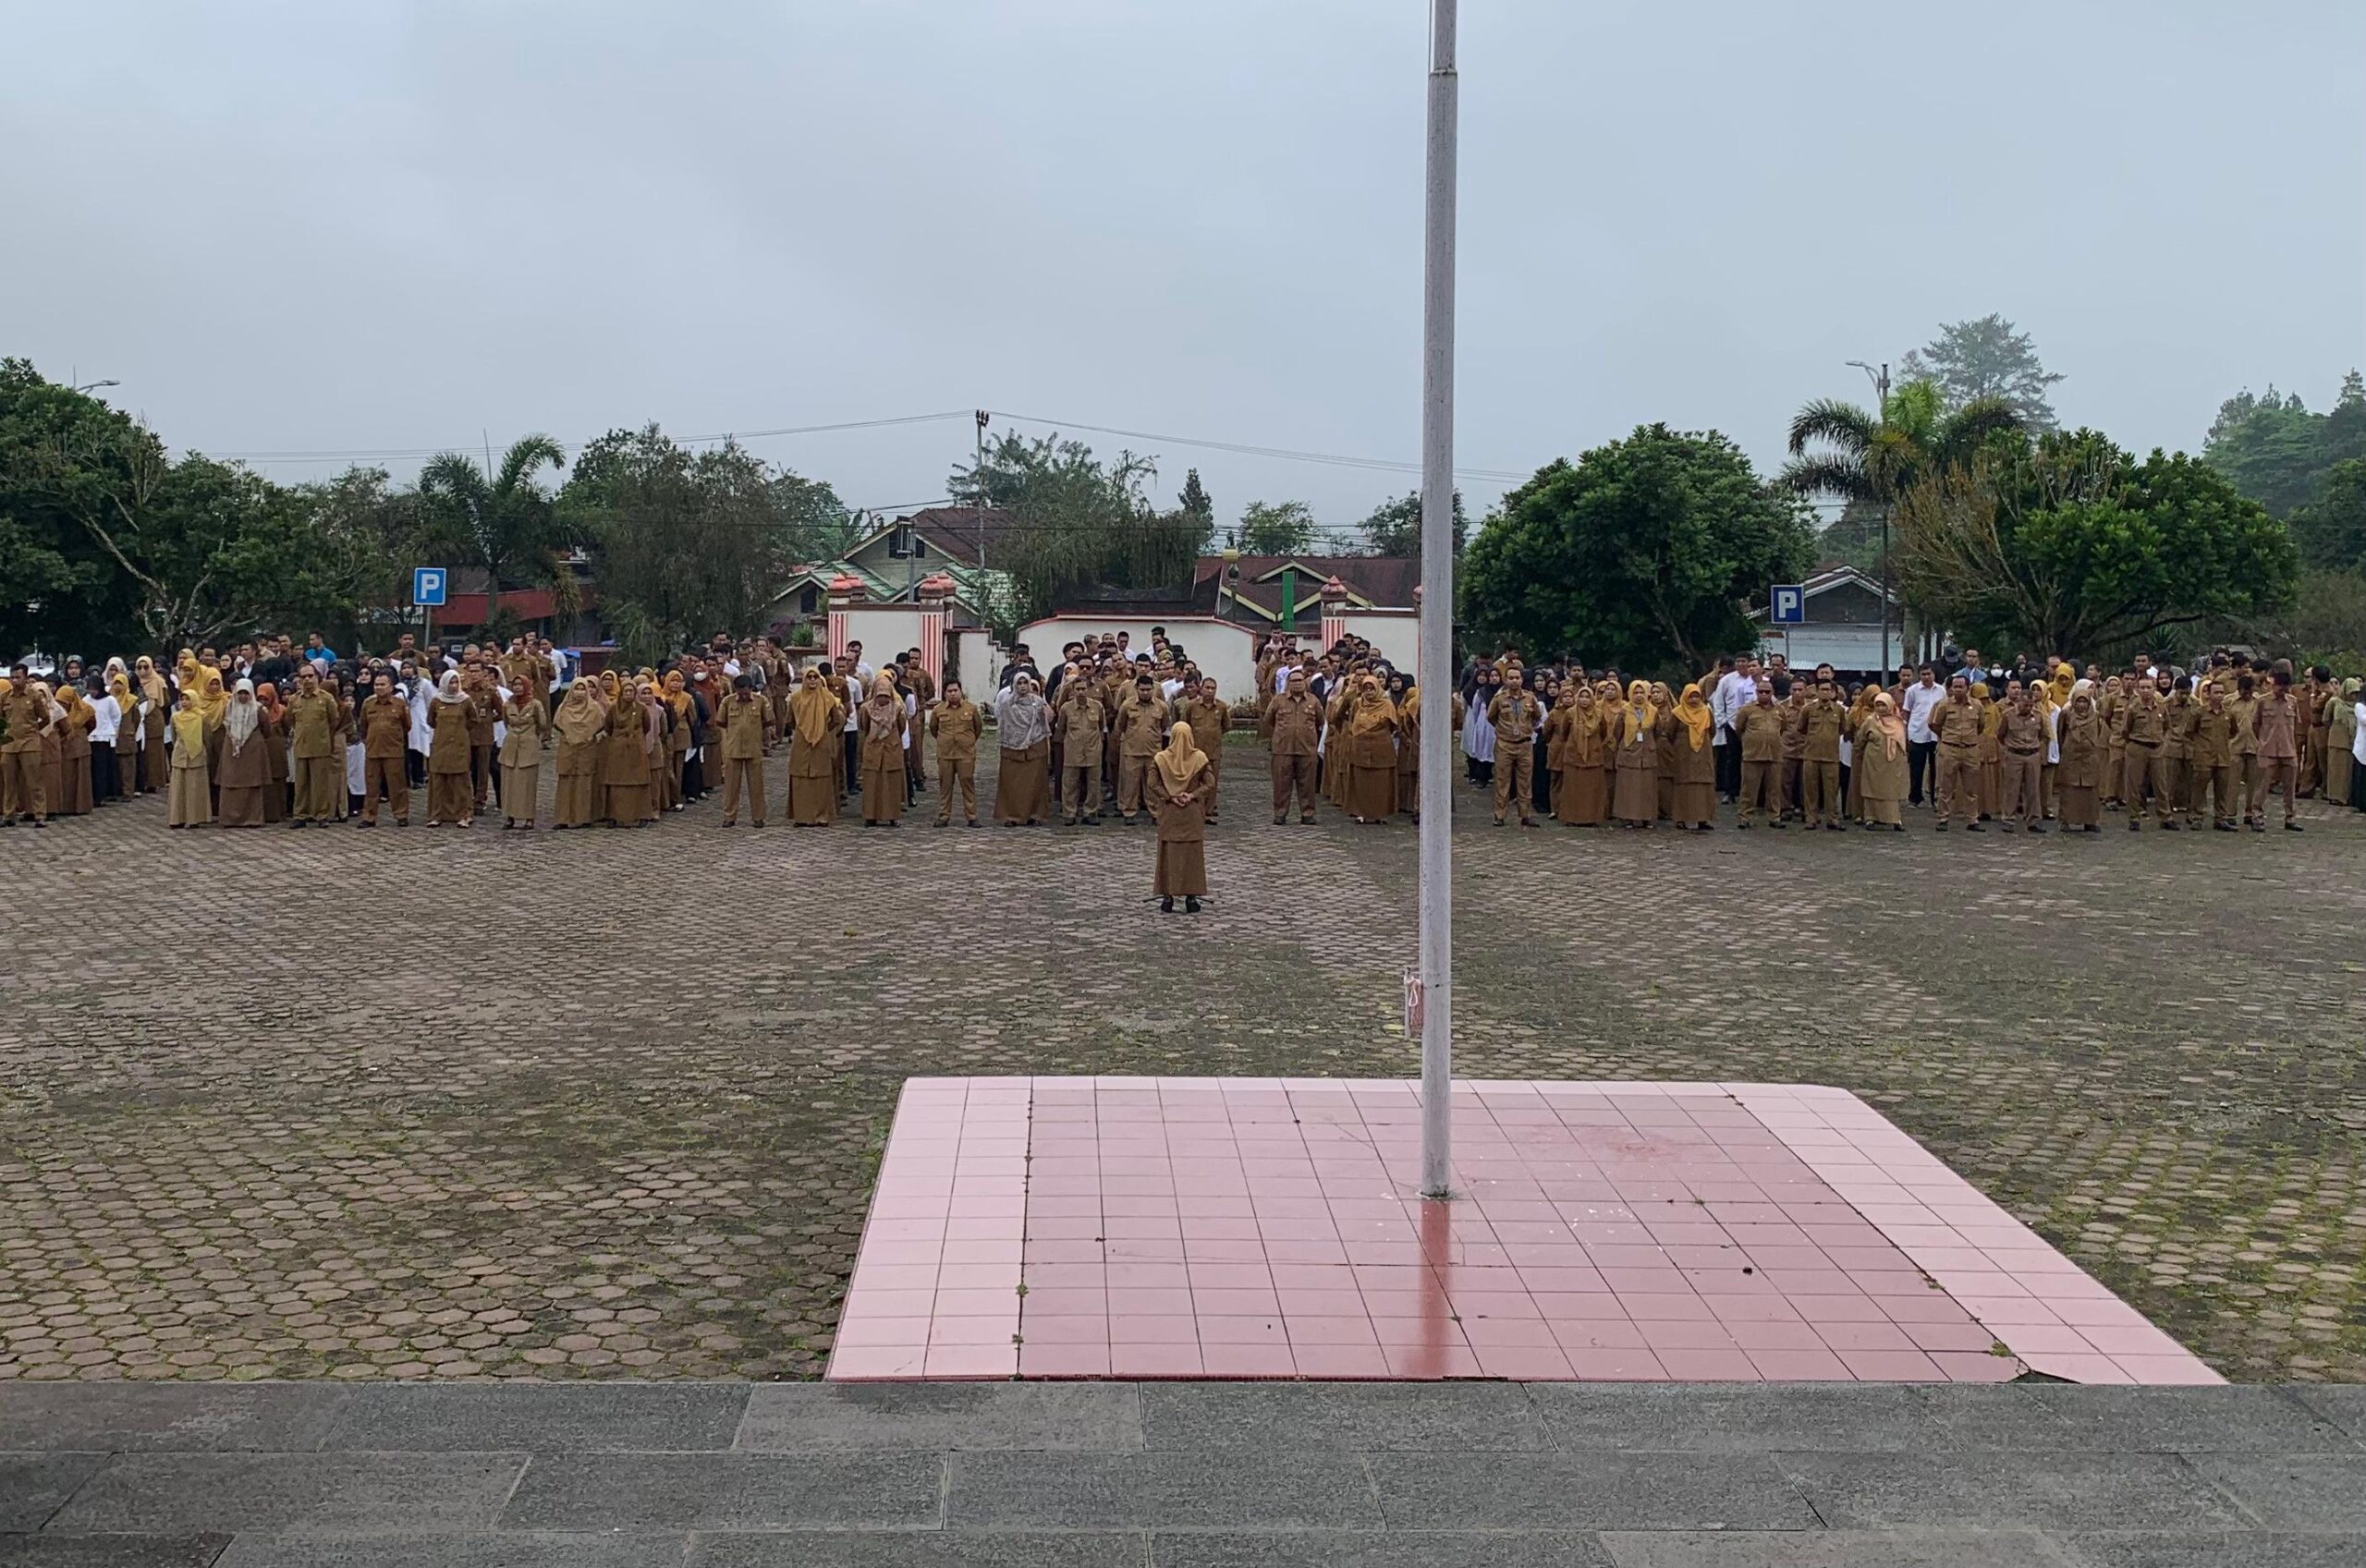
x: 354, y: 226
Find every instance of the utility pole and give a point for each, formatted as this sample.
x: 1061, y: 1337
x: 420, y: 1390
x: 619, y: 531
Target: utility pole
x: 1436, y: 684
x: 976, y: 479
x: 1881, y: 416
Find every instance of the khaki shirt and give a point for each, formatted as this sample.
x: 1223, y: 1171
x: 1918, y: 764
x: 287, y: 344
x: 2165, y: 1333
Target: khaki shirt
x: 1795, y: 732
x: 957, y: 726
x: 1956, y: 726
x: 1292, y: 726
x: 1141, y: 727
x: 1209, y: 718
x: 385, y: 725
x: 1081, y: 720
x: 2024, y: 734
x: 1821, y: 726
x: 528, y: 724
x: 1515, y: 715
x: 312, y: 723
x: 2210, y: 737
x: 2277, y: 717
x: 2177, y: 721
x: 747, y: 723
x: 1761, y: 729
x: 2144, y: 721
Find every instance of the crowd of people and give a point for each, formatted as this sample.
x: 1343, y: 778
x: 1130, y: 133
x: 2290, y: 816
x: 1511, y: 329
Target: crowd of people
x: 267, y: 732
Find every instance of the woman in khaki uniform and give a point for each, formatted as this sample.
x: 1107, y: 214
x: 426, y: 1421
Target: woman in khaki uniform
x: 1409, y: 746
x: 1992, y: 751
x: 581, y: 720
x: 1178, y: 784
x: 1635, y: 795
x: 2086, y: 751
x: 245, y: 770
x: 127, y: 733
x: 881, y: 721
x: 1663, y: 736
x: 680, y: 709
x: 274, y: 756
x: 1578, y: 747
x: 1693, y: 763
x: 529, y: 725
x: 188, y: 801
x: 73, y: 735
x: 1878, y: 771
x: 623, y: 759
x: 816, y: 720
x: 1022, y: 780
x: 155, y: 717
x: 451, y: 790
x: 1370, y: 753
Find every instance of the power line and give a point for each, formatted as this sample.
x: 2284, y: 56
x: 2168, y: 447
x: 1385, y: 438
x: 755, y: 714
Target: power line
x: 1287, y: 453
x: 353, y: 454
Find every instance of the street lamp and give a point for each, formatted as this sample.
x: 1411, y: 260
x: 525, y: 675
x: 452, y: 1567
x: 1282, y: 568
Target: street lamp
x: 94, y: 386
x: 1881, y: 413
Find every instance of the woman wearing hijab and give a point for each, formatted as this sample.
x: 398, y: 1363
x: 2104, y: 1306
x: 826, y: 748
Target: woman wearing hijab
x: 155, y: 716
x: 525, y: 729
x: 683, y: 779
x: 1991, y: 752
x: 624, y: 757
x: 73, y: 726
x: 1578, y: 740
x: 1370, y: 753
x: 1664, y: 743
x: 451, y: 789
x: 2111, y: 708
x: 2086, y: 751
x: 2351, y: 695
x: 1334, y: 740
x: 188, y: 794
x: 126, y: 730
x: 245, y: 777
x: 1022, y: 785
x: 581, y: 720
x: 1861, y: 713
x: 275, y: 751
x: 2341, y: 734
x: 1548, y: 697
x: 1693, y: 803
x: 816, y: 720
x: 1177, y: 787
x: 1880, y: 768
x: 1635, y: 759
x: 883, y: 722
x: 1409, y: 745
x: 357, y: 750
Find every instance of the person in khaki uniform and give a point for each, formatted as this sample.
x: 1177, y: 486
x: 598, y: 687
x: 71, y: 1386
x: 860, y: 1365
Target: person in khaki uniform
x: 1517, y: 715
x: 27, y: 718
x: 2021, y: 745
x: 527, y: 729
x: 2278, y: 726
x: 385, y: 731
x: 1795, y: 748
x: 2245, y: 708
x: 1210, y: 716
x: 316, y: 722
x: 1826, y: 718
x: 745, y: 720
x: 1292, y: 726
x: 2210, y: 753
x: 1142, y: 734
x: 2178, y: 707
x: 2144, y: 782
x: 1079, y: 720
x: 883, y: 722
x: 1955, y: 726
x: 1758, y: 726
x: 956, y: 723
x: 484, y: 709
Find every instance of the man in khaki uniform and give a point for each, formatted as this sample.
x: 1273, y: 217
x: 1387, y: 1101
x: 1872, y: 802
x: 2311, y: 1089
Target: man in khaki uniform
x: 2210, y: 752
x: 1794, y: 749
x: 1292, y: 726
x: 1208, y: 717
x: 956, y: 723
x: 2144, y: 782
x: 484, y: 710
x: 1955, y: 726
x: 1825, y: 717
x: 2178, y: 708
x: 746, y: 719
x: 1079, y: 722
x: 26, y: 717
x: 1758, y: 725
x: 2023, y: 742
x: 2278, y: 726
x: 386, y: 728
x: 2245, y: 708
x: 1140, y: 731
x: 1516, y: 714
x: 315, y: 719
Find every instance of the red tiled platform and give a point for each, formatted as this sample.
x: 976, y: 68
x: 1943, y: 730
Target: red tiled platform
x: 1269, y: 1228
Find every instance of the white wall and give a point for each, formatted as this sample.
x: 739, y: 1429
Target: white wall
x: 1396, y: 633
x: 1219, y: 648
x: 979, y: 663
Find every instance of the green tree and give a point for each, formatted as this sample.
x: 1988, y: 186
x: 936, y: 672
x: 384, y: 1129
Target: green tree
x: 820, y: 527
x: 2272, y: 449
x: 59, y: 450
x: 1983, y: 361
x: 1275, y: 527
x: 1076, y: 522
x: 1854, y: 538
x: 1194, y: 499
x: 366, y: 538
x: 2072, y: 546
x: 505, y: 522
x: 1642, y: 553
x: 1395, y: 527
x: 2330, y: 531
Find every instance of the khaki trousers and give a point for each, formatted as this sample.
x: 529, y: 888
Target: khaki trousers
x: 1515, y: 777
x: 1761, y: 789
x: 25, y: 793
x: 1795, y: 787
x: 2024, y: 792
x: 384, y: 773
x: 743, y: 776
x: 2217, y: 783
x: 1819, y: 791
x: 481, y: 761
x: 1131, y: 772
x: 319, y: 781
x: 1959, y: 784
x: 1080, y: 793
x: 521, y: 790
x: 2276, y: 775
x: 2144, y: 783
x: 1294, y: 775
x: 958, y: 774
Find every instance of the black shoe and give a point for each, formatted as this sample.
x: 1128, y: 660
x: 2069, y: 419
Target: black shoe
x: 2290, y: 826
x: 1190, y: 906
x: 1166, y: 906
x: 2037, y: 827
x: 2170, y: 826
x: 2134, y: 826
x: 1943, y: 827
x: 1745, y: 827
x: 1974, y: 827
x: 2222, y: 827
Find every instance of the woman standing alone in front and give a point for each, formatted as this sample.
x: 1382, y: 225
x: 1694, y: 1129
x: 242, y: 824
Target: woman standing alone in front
x: 1178, y: 784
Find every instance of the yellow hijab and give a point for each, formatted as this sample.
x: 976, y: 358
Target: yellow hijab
x: 2064, y: 677
x: 810, y: 709
x: 581, y: 716
x: 1182, y: 760
x: 1697, y: 721
x: 1638, y: 710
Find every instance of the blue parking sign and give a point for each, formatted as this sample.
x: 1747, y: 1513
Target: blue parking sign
x: 1788, y: 604
x: 427, y: 585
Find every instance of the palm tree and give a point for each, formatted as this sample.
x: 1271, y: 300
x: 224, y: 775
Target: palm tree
x: 1853, y: 454
x: 506, y: 521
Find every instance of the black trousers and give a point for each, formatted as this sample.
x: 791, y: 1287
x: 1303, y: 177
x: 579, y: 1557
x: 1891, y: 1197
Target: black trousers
x: 103, y: 784
x: 854, y: 761
x: 1728, y: 765
x: 1918, y: 755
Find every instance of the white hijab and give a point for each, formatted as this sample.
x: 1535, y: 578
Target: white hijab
x: 245, y: 716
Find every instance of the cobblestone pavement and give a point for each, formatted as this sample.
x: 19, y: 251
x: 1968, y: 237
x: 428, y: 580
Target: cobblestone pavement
x: 414, y: 1104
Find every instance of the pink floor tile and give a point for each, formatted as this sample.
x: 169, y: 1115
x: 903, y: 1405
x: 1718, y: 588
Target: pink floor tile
x: 1339, y: 1361
x: 1791, y: 1365
x: 1155, y: 1361
x: 1226, y: 1360
x: 1616, y: 1366
x: 1708, y: 1366
x: 1063, y: 1360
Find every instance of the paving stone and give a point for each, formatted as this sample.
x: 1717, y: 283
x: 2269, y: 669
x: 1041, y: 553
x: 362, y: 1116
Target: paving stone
x: 1600, y: 1491
x: 729, y: 1491
x: 424, y: 1492
x: 1735, y: 1417
x: 507, y: 1548
x: 49, y: 1551
x: 920, y: 1549
x: 2043, y: 1492
x: 820, y: 1417
x: 128, y: 1417
x: 1837, y: 1549
x: 552, y: 1418
x: 1238, y: 1489
x: 1352, y: 1417
x: 2257, y: 1549
x: 35, y: 1486
x: 1336, y: 1550
x: 2294, y: 1491
x: 2237, y: 1418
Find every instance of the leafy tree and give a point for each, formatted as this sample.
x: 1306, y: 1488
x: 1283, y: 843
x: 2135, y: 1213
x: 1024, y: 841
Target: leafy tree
x: 1642, y: 553
x: 367, y: 536
x: 505, y: 522
x: 1854, y: 538
x: 2331, y: 530
x: 58, y: 588
x: 1076, y: 522
x: 1275, y: 527
x: 1839, y: 449
x: 2272, y: 449
x: 2071, y: 546
x: 820, y: 524
x: 2327, y: 623
x: 1987, y: 359
x: 1194, y: 499
x: 1395, y: 527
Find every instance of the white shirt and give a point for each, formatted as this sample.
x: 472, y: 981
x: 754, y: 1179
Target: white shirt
x: 1921, y: 701
x: 110, y: 714
x: 2054, y: 735
x: 1734, y: 692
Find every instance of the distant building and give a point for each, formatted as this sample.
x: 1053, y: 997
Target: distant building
x: 1843, y: 627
